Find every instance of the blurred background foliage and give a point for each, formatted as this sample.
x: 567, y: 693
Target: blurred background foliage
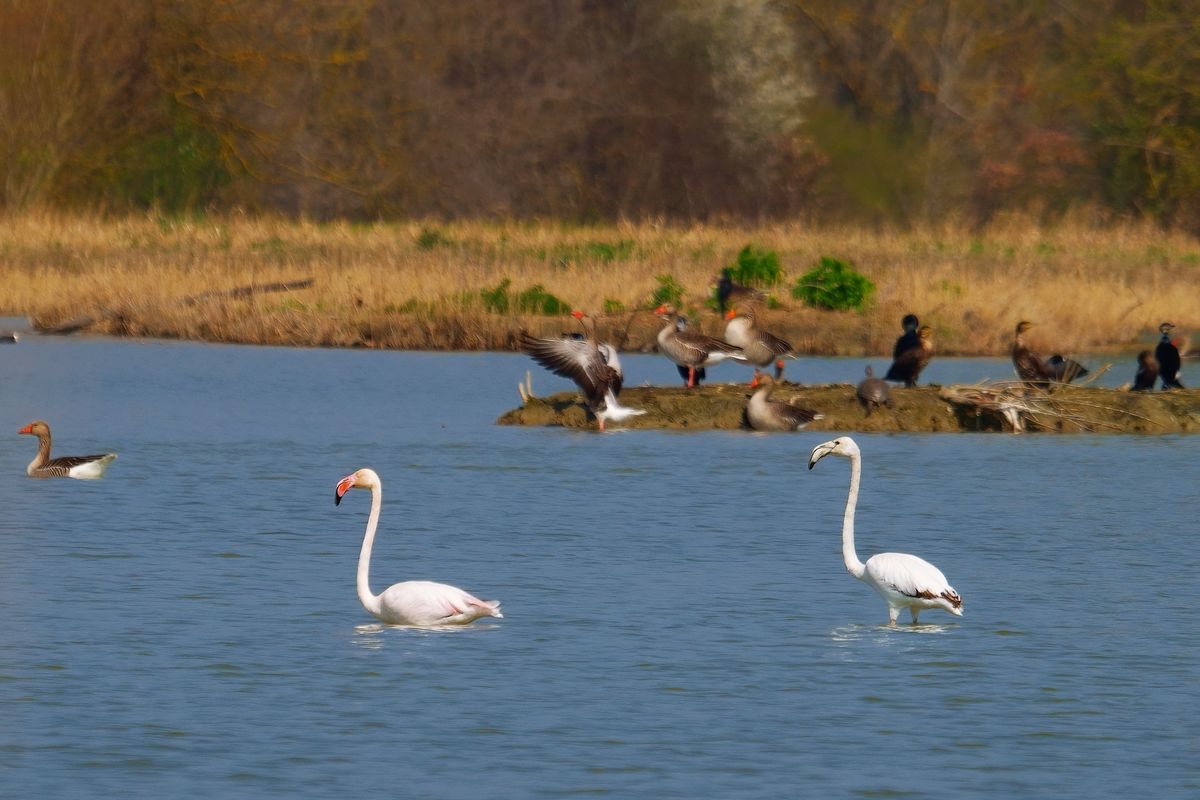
x: 849, y: 111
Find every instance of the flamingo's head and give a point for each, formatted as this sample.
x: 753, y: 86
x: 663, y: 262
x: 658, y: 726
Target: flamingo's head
x: 843, y: 446
x: 36, y: 428
x: 364, y: 478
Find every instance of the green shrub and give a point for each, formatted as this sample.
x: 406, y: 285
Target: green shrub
x: 534, y: 300
x: 429, y: 238
x: 612, y: 306
x: 669, y: 291
x: 756, y: 267
x: 833, y: 285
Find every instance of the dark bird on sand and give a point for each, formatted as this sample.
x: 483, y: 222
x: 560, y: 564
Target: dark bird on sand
x: 908, y: 364
x: 1167, y: 355
x: 1147, y: 372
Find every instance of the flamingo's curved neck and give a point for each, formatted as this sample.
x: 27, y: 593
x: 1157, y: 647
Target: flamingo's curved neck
x: 853, y: 565
x: 369, y: 601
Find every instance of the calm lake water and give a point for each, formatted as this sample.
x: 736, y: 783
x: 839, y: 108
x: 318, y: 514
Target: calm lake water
x: 678, y: 623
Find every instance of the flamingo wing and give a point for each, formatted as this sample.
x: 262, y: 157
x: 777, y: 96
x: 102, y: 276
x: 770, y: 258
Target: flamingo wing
x: 912, y: 576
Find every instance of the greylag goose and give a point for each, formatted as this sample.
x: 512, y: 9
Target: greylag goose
x: 761, y: 348
x: 423, y: 603
x: 873, y: 392
x: 1167, y: 355
x: 902, y: 580
x: 765, y: 414
x: 592, y: 365
x: 690, y: 349
x: 42, y: 466
x: 908, y: 363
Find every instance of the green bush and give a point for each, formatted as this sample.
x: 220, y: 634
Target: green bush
x: 429, y: 238
x: 756, y: 267
x: 833, y: 285
x: 534, y: 300
x: 669, y: 291
x: 612, y: 306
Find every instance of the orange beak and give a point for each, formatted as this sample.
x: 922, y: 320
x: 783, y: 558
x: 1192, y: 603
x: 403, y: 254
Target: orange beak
x: 27, y: 429
x: 577, y: 314
x: 344, y: 485
x: 754, y: 380
x: 730, y: 314
x: 661, y: 310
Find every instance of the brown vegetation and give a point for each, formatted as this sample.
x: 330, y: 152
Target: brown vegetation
x: 418, y: 285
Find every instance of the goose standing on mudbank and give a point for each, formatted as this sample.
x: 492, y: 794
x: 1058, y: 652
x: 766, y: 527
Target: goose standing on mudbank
x: 690, y: 349
x: 591, y: 364
x: 42, y: 466
x: 903, y: 580
x: 423, y: 603
x: 765, y: 414
x: 760, y: 347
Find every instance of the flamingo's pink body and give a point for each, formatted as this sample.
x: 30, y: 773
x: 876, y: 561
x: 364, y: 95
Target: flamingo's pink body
x: 421, y: 603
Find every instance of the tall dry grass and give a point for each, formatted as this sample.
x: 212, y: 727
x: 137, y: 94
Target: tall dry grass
x: 416, y: 284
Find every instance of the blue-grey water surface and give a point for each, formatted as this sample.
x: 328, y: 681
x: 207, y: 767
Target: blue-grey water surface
x: 678, y: 622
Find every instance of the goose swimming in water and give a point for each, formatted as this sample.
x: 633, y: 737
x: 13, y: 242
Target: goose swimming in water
x: 81, y: 467
x: 902, y: 580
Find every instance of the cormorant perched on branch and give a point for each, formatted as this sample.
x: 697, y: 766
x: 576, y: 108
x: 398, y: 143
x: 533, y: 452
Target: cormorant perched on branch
x: 1167, y: 355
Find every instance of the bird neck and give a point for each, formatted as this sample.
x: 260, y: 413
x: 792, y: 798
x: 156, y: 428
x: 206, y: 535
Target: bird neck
x: 43, y: 453
x: 849, y: 556
x: 369, y: 601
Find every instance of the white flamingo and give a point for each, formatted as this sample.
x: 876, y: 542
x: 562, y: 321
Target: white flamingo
x: 421, y: 603
x: 903, y: 580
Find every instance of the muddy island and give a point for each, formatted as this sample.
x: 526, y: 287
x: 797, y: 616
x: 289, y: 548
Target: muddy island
x: 994, y: 407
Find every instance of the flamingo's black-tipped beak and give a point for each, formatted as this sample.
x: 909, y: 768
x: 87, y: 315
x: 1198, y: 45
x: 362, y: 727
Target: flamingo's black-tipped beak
x: 344, y: 485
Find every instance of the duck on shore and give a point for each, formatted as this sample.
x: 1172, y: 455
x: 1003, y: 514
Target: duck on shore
x: 761, y: 347
x: 765, y: 414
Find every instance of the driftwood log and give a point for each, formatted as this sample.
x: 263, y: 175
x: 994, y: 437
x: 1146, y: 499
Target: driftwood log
x: 87, y: 320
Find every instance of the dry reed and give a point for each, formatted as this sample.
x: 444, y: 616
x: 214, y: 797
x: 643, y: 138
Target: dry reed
x: 417, y: 284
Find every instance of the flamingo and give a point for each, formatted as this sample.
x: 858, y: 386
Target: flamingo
x: 419, y: 603
x: 42, y: 466
x: 903, y: 580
